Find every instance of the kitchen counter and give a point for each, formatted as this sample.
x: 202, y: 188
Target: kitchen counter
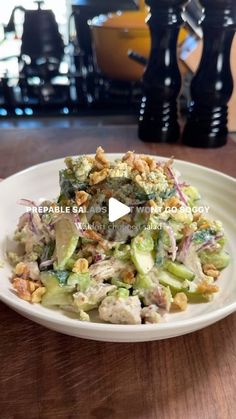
x: 48, y: 375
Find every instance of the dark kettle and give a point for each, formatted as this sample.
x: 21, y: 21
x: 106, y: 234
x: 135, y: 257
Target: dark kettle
x: 41, y: 39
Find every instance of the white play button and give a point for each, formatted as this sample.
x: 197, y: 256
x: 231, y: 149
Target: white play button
x: 116, y: 210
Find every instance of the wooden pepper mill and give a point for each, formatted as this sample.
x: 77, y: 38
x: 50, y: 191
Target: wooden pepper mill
x: 212, y: 85
x: 158, y: 120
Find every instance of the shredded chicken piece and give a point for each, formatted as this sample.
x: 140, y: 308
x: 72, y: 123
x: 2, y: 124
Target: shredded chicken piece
x: 109, y: 268
x: 120, y: 310
x: 158, y: 297
x: 93, y: 295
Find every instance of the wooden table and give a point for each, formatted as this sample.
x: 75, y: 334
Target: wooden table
x: 48, y: 375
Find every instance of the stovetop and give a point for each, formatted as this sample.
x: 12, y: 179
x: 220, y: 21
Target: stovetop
x: 72, y: 90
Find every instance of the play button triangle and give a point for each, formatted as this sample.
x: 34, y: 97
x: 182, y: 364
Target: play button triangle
x: 116, y: 210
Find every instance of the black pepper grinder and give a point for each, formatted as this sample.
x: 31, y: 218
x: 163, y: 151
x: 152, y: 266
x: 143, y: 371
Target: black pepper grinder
x: 212, y: 85
x: 158, y: 120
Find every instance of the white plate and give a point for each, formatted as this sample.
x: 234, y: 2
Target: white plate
x: 40, y: 182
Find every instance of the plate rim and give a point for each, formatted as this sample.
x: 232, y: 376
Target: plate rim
x: 107, y: 327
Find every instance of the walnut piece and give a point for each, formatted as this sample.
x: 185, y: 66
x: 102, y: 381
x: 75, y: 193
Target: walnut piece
x: 25, y: 288
x: 81, y: 197
x: 37, y: 295
x: 173, y: 201
x: 180, y: 301
x: 128, y: 277
x: 21, y: 269
x: 80, y: 266
x: 101, y: 161
x: 204, y: 226
x: 205, y: 288
x: 97, y: 177
x: 150, y: 161
x: 210, y: 270
x: 141, y: 165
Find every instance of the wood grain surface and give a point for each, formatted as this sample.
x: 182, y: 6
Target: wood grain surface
x: 44, y: 374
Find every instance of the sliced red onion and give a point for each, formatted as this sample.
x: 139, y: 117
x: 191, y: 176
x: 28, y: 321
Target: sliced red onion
x: 46, y: 263
x: 27, y: 203
x: 191, y: 260
x: 211, y: 245
x: 185, y: 247
x: 50, y: 226
x: 77, y: 222
x: 219, y: 236
x: 23, y: 220
x: 184, y: 185
x: 32, y: 225
x: 171, y: 235
x: 204, y: 245
x: 97, y: 257
x: 177, y: 186
x: 32, y: 222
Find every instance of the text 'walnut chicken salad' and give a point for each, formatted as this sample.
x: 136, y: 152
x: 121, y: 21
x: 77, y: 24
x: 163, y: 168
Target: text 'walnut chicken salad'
x: 158, y: 270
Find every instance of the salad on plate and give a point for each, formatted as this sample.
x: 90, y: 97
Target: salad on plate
x: 65, y: 259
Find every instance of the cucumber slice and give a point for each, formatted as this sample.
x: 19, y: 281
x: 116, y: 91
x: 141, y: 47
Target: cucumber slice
x: 179, y: 270
x: 56, y: 295
x: 195, y: 297
x: 168, y: 280
x: 119, y: 284
x: 70, y: 264
x: 143, y: 282
x: 122, y: 293
x: 66, y: 241
x: 219, y: 259
x: 176, y: 286
x: 192, y: 194
x: 143, y: 262
x: 122, y: 252
x: 142, y: 256
x: 80, y: 279
x: 144, y: 242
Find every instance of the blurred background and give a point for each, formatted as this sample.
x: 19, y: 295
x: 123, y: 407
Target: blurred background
x: 85, y: 58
